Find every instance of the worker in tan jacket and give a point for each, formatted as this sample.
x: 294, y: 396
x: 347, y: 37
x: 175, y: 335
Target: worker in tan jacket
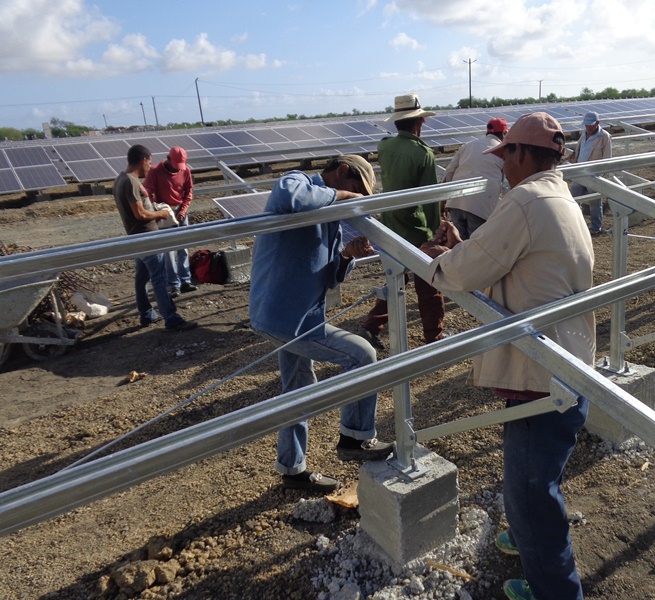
x: 534, y: 248
x: 594, y: 144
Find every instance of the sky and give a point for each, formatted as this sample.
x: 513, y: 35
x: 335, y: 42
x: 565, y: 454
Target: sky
x: 120, y: 63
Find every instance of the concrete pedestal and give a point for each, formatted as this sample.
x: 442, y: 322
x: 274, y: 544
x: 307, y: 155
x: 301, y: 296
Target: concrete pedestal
x: 239, y: 264
x: 406, y: 517
x: 640, y: 382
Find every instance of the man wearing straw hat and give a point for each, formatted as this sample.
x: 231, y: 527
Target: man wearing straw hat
x: 407, y: 162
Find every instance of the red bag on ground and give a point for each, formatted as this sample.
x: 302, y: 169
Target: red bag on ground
x: 209, y: 267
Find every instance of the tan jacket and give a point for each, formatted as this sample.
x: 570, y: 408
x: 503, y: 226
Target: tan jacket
x: 534, y: 249
x: 601, y: 147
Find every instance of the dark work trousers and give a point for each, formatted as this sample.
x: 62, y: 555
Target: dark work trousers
x: 431, y: 307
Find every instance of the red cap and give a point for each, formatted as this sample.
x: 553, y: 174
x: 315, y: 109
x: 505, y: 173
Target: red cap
x: 534, y: 129
x: 177, y: 157
x: 497, y: 126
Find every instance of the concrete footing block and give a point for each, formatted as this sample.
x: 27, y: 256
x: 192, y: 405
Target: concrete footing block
x: 638, y: 381
x: 409, y: 517
x: 239, y: 264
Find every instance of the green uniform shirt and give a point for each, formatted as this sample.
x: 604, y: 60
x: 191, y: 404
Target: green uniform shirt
x: 407, y: 162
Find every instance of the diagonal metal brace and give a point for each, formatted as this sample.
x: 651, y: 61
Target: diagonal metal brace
x: 561, y: 399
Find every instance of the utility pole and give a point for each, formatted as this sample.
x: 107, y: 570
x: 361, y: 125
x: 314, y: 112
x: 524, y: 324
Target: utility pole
x: 155, y: 109
x: 470, y: 62
x: 105, y: 118
x: 202, y: 119
x: 540, y: 89
x: 143, y: 110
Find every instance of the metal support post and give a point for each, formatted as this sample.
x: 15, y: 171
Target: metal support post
x: 396, y: 307
x: 616, y: 362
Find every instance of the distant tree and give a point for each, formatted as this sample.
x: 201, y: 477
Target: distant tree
x: 60, y: 128
x: 587, y: 94
x: 608, y: 92
x: 10, y: 134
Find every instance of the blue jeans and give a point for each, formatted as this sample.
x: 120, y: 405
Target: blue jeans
x: 595, y: 206
x: 536, y: 452
x: 466, y: 222
x: 296, y: 370
x: 152, y: 268
x: 178, y: 270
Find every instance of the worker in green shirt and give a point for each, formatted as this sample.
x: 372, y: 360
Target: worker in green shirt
x: 407, y: 162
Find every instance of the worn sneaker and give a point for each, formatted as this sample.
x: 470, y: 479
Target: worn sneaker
x: 148, y: 322
x: 188, y: 287
x: 311, y: 481
x: 504, y: 544
x: 174, y: 292
x: 372, y: 338
x: 182, y: 325
x: 597, y: 232
x: 351, y: 449
x: 517, y: 589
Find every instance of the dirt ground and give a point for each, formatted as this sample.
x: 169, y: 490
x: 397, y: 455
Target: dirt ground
x: 223, y: 528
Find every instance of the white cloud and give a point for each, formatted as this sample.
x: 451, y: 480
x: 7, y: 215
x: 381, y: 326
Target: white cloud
x: 253, y: 62
x: 41, y: 36
x: 402, y: 40
x: 240, y: 38
x: 180, y: 56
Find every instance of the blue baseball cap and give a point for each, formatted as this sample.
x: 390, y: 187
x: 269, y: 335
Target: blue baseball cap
x: 591, y: 118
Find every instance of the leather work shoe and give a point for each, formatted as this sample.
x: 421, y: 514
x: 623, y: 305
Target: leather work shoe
x: 188, y: 287
x: 183, y: 325
x: 174, y: 292
x: 148, y: 322
x: 310, y: 481
x: 372, y: 449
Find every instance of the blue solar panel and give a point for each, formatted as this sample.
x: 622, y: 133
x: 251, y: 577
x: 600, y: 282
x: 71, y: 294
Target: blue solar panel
x: 91, y: 170
x: 70, y: 152
x: 9, y: 182
x: 27, y: 156
x: 211, y: 140
x: 4, y: 163
x: 240, y: 138
x: 267, y: 136
x: 112, y: 148
x: 39, y: 177
x: 293, y: 133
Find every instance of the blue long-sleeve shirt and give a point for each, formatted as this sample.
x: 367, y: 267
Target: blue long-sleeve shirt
x: 293, y: 269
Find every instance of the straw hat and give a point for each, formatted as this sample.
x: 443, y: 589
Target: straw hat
x: 408, y: 107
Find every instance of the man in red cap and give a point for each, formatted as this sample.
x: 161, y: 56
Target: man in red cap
x: 469, y: 212
x: 170, y: 182
x: 535, y: 248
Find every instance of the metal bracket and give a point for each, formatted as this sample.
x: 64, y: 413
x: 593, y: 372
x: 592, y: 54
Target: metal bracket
x: 414, y: 469
x: 604, y: 364
x: 382, y: 293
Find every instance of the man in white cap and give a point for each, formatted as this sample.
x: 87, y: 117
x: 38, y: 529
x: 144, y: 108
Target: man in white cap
x: 594, y: 144
x: 292, y: 271
x: 407, y: 162
x: 469, y: 212
x: 170, y: 182
x: 535, y: 248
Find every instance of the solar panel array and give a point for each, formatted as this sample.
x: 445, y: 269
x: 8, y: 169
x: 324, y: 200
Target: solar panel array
x: 41, y: 164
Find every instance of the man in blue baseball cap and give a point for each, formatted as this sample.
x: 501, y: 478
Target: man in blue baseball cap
x: 594, y: 144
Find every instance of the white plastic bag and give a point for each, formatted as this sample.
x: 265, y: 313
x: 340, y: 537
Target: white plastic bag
x: 171, y: 221
x: 92, y: 304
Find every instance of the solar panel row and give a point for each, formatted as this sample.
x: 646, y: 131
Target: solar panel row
x: 45, y: 163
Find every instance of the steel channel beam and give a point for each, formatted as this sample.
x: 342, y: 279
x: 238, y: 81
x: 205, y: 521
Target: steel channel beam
x: 63, y: 491
x: 28, y: 265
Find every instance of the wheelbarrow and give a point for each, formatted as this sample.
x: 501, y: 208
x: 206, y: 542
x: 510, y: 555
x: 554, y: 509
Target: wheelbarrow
x: 40, y: 340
